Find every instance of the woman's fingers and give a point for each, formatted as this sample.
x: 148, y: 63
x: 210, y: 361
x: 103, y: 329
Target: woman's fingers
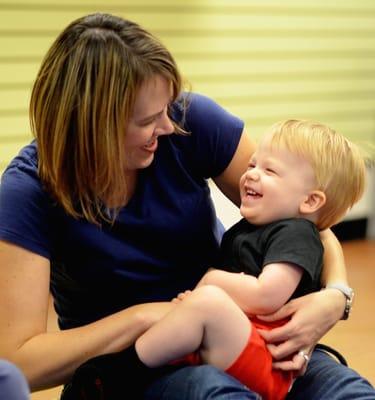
x: 298, y: 363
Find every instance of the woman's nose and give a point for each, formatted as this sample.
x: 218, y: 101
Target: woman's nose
x: 165, y: 126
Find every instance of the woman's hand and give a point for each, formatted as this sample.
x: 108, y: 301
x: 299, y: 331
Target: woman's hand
x: 312, y: 316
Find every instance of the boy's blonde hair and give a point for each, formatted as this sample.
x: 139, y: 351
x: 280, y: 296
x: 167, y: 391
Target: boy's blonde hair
x: 339, y: 166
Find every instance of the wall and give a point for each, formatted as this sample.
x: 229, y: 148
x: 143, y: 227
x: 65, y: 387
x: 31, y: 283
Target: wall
x: 263, y: 60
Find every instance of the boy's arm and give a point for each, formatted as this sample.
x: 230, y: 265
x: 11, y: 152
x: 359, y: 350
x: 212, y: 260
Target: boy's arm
x: 312, y: 316
x: 262, y: 295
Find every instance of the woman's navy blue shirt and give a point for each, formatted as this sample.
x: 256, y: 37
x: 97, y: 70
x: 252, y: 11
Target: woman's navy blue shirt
x: 163, y: 240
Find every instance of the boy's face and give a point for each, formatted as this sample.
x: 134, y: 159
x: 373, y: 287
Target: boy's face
x: 275, y: 184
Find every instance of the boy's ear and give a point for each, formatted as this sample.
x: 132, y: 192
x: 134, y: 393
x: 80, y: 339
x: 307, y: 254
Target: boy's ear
x: 313, y: 202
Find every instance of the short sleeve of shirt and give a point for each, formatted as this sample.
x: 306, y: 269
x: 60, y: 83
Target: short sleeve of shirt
x: 249, y: 248
x: 214, y: 134
x: 295, y: 241
x: 24, y: 206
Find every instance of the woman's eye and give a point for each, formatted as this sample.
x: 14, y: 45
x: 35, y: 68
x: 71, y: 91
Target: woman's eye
x: 146, y: 123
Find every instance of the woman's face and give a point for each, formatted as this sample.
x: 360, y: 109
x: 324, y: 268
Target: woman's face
x: 149, y: 121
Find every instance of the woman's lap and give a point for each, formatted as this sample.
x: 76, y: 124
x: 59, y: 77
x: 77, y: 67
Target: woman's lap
x: 198, y: 383
x: 325, y: 379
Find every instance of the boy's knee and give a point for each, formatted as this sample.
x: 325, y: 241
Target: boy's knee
x: 211, y: 291
x: 209, y: 295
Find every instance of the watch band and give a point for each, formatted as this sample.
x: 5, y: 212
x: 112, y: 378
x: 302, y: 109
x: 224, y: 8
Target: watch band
x: 349, y: 296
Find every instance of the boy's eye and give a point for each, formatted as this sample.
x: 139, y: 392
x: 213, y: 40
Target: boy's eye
x: 270, y: 170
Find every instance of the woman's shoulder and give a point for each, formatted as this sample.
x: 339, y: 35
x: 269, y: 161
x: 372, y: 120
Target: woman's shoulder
x: 212, y: 136
x: 24, y: 205
x: 20, y: 184
x: 203, y: 110
x: 24, y: 164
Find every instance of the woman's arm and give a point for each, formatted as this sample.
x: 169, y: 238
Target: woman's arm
x: 334, y: 269
x: 50, y: 358
x: 312, y: 316
x: 228, y: 181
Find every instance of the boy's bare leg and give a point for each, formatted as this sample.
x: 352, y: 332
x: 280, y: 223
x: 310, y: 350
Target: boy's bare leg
x: 208, y: 320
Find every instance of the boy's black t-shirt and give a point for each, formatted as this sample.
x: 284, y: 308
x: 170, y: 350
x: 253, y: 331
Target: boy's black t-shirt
x: 248, y: 248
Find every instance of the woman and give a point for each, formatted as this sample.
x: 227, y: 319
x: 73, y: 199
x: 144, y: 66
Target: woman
x: 110, y: 208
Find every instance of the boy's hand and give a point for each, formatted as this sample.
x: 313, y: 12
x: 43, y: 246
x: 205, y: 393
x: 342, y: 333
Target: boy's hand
x: 181, y: 296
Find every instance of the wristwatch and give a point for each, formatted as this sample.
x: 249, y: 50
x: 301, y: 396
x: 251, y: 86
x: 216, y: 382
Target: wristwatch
x: 349, y: 296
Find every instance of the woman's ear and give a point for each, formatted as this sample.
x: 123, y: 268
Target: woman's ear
x: 313, y: 202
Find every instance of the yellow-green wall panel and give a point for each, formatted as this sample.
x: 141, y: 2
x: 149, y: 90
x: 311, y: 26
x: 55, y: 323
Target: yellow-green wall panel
x: 40, y: 20
x: 264, y: 60
x: 14, y: 99
x: 17, y: 73
x: 34, y: 47
x: 13, y: 126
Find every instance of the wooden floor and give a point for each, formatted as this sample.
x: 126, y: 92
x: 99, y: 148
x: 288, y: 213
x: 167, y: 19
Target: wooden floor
x: 353, y: 338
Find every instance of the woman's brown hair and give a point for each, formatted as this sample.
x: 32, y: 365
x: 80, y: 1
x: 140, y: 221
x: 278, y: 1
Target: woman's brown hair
x: 80, y: 105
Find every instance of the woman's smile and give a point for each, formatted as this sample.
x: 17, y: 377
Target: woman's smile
x: 151, y: 146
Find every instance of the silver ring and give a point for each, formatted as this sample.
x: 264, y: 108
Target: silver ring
x: 304, y: 355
